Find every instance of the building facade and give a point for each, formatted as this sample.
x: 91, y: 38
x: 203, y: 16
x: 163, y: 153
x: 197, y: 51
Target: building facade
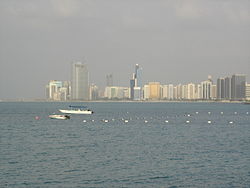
x: 79, y: 82
x: 238, y: 87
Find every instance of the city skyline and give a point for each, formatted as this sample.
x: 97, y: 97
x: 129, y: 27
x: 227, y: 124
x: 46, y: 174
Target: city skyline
x: 234, y: 88
x: 175, y: 41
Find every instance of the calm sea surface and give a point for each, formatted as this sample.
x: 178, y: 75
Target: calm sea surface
x: 139, y: 145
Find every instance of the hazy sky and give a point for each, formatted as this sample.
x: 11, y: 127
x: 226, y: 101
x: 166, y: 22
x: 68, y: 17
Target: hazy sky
x: 173, y: 41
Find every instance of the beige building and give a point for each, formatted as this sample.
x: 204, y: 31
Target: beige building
x: 214, y: 92
x: 191, y: 91
x: 247, y: 91
x: 154, y: 90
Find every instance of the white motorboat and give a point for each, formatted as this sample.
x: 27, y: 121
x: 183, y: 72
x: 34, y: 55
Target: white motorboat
x: 55, y: 116
x: 77, y: 110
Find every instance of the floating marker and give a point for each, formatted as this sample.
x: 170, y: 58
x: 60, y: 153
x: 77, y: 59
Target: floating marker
x: 166, y: 121
x: 231, y: 122
x: 93, y: 120
x: 106, y: 121
x: 197, y: 112
x: 126, y: 121
x: 145, y: 121
x: 187, y: 121
x: 221, y: 112
x: 84, y: 121
x: 209, y: 112
x: 188, y: 115
x: 209, y: 122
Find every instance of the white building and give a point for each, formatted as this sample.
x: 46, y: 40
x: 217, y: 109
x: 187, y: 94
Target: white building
x: 191, y: 91
x: 146, y: 92
x: 114, y: 92
x: 170, y: 91
x: 206, y: 90
x: 57, y: 90
x: 165, y: 91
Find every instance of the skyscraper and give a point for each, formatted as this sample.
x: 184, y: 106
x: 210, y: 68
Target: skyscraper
x: 79, y: 82
x: 238, y: 87
x: 154, y: 90
x: 228, y: 88
x: 206, y: 90
x: 135, y: 84
x: 132, y: 85
x: 220, y: 88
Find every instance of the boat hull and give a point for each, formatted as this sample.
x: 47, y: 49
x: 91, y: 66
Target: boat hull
x: 63, y: 117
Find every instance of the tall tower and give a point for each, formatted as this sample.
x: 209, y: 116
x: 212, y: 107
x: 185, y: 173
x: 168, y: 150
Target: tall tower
x: 137, y: 84
x: 238, y: 87
x: 79, y: 82
x: 135, y: 88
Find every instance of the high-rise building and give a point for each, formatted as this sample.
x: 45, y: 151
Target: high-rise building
x: 93, y: 92
x: 57, y: 90
x: 132, y: 85
x: 109, y: 80
x: 247, y: 91
x: 206, y: 90
x: 213, y: 92
x: 198, y: 91
x: 79, y: 82
x: 135, y: 84
x: 220, y: 88
x: 146, y: 92
x: 54, y: 88
x: 191, y: 91
x: 154, y: 90
x: 114, y: 92
x: 170, y: 91
x: 228, y: 88
x: 165, y: 91
x: 238, y: 87
x: 178, y: 92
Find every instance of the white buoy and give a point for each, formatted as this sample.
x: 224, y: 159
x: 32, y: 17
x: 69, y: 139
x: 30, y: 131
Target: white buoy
x: 145, y: 121
x: 221, y: 112
x: 209, y: 112
x: 231, y: 122
x: 187, y: 121
x: 106, y: 121
x: 93, y: 120
x: 209, y: 122
x: 197, y: 112
x: 166, y: 121
x: 188, y: 115
x: 84, y: 121
x: 126, y: 121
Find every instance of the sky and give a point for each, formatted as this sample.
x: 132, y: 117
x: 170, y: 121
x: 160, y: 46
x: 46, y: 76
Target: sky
x: 174, y: 41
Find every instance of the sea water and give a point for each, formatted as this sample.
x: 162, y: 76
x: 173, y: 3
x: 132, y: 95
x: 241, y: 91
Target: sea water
x: 125, y: 145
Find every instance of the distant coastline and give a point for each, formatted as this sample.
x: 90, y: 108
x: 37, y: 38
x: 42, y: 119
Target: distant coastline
x: 124, y: 101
